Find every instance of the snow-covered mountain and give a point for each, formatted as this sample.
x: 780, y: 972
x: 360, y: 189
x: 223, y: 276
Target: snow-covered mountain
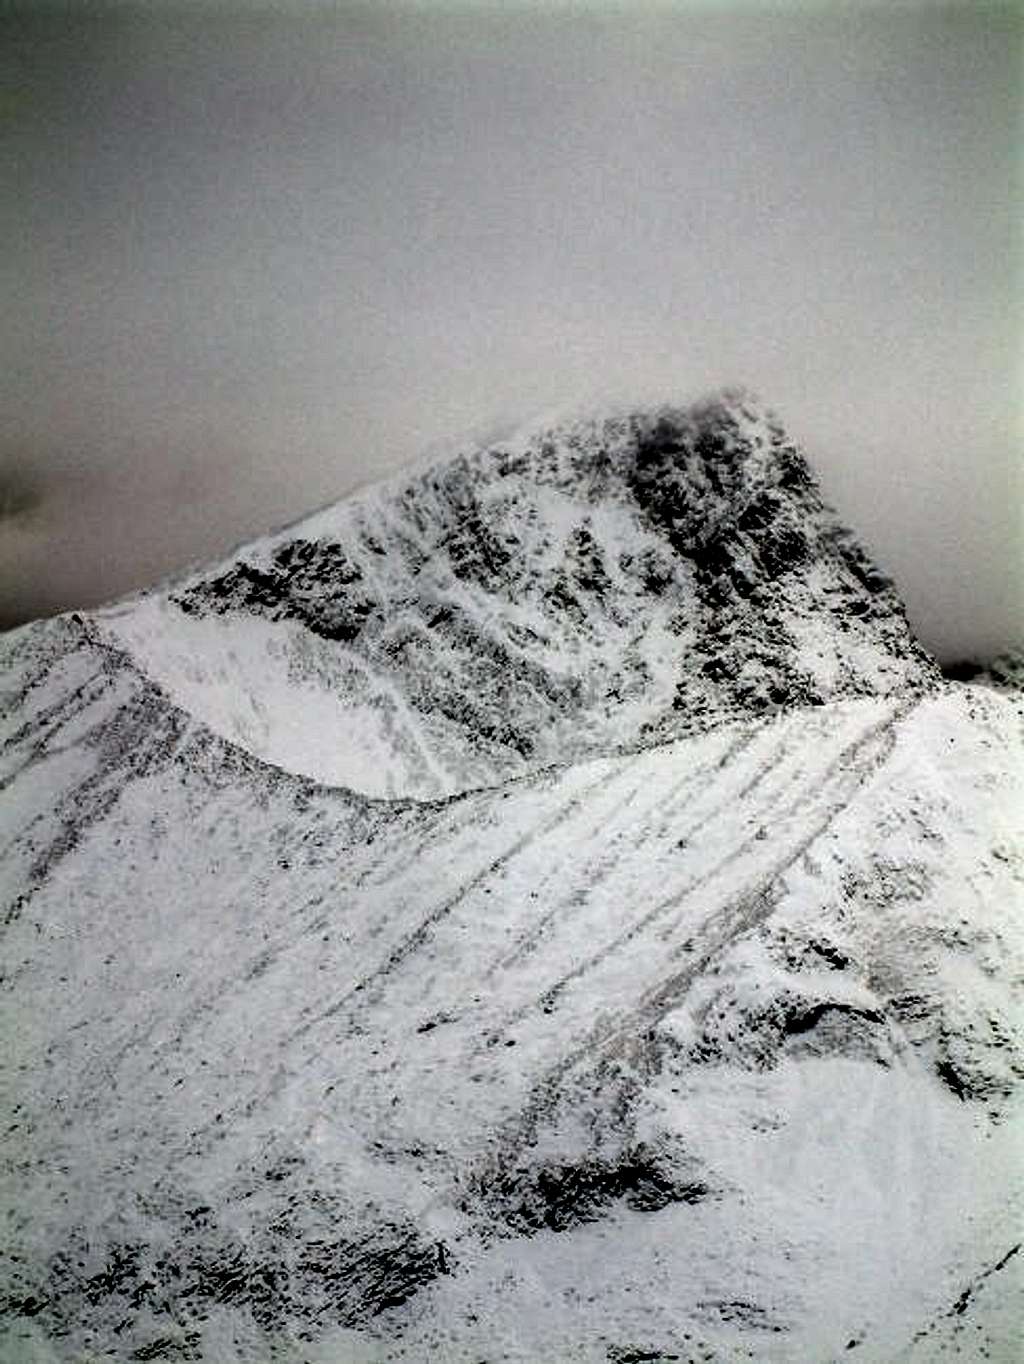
x: 545, y: 908
x: 592, y: 587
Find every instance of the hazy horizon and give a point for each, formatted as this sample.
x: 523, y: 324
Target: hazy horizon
x: 254, y: 260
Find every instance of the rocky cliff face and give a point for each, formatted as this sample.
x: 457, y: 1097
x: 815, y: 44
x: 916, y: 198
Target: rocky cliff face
x: 595, y: 585
x: 691, y: 1031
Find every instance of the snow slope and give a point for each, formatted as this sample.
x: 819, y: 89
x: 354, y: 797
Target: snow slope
x: 706, y: 1046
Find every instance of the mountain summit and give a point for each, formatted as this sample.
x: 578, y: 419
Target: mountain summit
x: 583, y: 588
x: 545, y: 908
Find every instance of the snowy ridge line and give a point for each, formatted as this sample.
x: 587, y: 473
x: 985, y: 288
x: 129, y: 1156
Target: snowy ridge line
x: 118, y: 656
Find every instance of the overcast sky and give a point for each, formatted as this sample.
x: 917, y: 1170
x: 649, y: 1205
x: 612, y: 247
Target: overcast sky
x: 253, y: 260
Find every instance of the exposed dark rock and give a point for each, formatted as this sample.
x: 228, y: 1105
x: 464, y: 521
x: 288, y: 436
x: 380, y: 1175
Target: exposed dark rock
x: 757, y: 1031
x: 296, y: 1270
x: 312, y: 582
x: 639, y: 1354
x: 555, y: 1197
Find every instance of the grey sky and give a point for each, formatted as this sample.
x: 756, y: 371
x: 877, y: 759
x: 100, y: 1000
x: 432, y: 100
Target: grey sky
x: 252, y: 260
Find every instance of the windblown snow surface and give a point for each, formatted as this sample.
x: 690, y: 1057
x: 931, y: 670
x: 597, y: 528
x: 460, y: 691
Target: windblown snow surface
x: 546, y: 908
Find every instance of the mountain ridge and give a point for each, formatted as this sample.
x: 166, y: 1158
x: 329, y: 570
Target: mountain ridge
x: 689, y: 1043
x: 559, y: 594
